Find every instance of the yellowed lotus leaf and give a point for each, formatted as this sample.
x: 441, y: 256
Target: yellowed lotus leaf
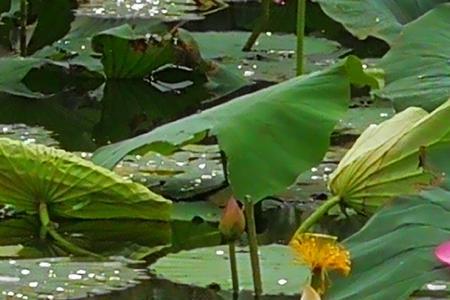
x: 385, y: 160
x: 71, y: 187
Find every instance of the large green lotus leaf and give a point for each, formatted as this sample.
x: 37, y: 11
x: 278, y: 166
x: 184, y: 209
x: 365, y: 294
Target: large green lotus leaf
x: 269, y: 137
x: 71, y: 187
x: 129, y: 54
x: 62, y: 278
x: 383, y: 19
x: 393, y: 255
x: 385, y: 161
x: 280, y: 273
x: 417, y: 68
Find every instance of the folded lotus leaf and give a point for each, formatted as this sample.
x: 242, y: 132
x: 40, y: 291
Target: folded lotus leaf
x: 70, y: 186
x: 387, y: 159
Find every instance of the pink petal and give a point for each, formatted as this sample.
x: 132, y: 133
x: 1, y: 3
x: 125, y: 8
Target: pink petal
x: 442, y: 252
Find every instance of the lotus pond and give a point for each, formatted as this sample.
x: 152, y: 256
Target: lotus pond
x: 209, y: 149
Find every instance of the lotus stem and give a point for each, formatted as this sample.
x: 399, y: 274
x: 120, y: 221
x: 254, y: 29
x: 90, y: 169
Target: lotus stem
x: 318, y: 214
x: 23, y: 27
x: 59, y: 239
x: 260, y: 26
x: 301, y: 9
x: 253, y: 245
x: 233, y: 267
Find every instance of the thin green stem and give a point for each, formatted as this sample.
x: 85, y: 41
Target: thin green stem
x: 23, y: 27
x: 233, y: 267
x: 318, y: 214
x: 253, y: 245
x: 301, y: 8
x: 260, y: 26
x: 59, y: 239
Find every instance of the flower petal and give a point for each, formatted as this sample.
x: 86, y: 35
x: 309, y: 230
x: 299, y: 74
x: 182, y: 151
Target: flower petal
x: 309, y: 294
x: 442, y: 252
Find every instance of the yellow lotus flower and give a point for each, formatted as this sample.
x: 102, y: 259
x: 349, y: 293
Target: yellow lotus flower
x: 321, y: 253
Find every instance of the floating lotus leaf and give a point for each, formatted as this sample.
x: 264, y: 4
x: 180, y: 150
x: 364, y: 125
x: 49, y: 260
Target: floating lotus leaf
x: 62, y: 278
x: 280, y: 273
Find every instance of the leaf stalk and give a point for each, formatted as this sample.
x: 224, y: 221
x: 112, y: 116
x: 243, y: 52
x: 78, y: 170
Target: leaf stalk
x: 318, y: 214
x: 59, y: 239
x: 301, y: 13
x: 253, y: 246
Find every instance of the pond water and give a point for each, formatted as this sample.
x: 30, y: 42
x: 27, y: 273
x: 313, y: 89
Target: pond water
x: 115, y: 110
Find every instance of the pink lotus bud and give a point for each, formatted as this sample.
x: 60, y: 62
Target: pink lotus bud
x: 232, y: 224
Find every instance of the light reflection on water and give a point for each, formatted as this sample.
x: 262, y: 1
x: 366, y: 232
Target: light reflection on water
x: 167, y: 10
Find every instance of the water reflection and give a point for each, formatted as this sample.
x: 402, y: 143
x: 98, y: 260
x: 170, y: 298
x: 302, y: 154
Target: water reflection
x: 81, y: 122
x: 167, y: 10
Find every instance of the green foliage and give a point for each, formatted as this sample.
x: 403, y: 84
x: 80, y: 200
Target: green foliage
x: 280, y: 275
x: 269, y: 137
x: 272, y: 58
x: 383, y: 19
x: 417, y: 67
x: 393, y: 255
x: 34, y: 77
x: 127, y: 54
x: 72, y: 187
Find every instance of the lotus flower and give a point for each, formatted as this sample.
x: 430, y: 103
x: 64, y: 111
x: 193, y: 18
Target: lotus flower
x: 321, y: 253
x: 232, y: 224
x: 386, y: 160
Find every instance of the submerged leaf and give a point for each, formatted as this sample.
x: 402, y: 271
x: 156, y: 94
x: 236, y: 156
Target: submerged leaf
x: 71, y: 186
x: 385, y: 161
x: 62, y: 278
